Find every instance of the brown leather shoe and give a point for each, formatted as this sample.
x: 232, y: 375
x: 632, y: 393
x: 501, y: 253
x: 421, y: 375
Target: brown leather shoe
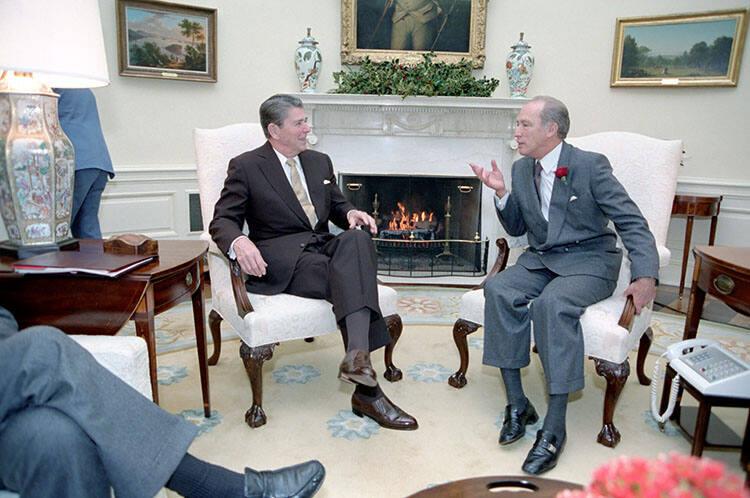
x: 357, y: 369
x: 383, y: 411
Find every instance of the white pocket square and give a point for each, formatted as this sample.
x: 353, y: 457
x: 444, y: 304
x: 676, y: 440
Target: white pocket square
x: 326, y: 182
x: 573, y: 198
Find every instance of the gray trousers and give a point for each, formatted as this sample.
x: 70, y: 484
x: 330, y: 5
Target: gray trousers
x: 558, y: 303
x: 70, y: 428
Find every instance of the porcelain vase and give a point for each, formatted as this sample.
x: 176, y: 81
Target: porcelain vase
x: 307, y: 62
x: 520, y: 67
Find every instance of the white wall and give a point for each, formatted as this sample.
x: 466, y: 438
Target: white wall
x: 150, y: 121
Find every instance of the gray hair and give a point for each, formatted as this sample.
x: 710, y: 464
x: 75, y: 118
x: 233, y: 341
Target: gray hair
x: 554, y: 111
x: 275, y: 109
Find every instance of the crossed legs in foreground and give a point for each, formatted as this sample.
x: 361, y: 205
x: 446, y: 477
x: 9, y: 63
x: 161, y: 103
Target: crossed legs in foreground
x: 70, y: 428
x: 558, y: 303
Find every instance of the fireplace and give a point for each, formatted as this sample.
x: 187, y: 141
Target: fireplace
x: 419, y: 136
x: 428, y: 226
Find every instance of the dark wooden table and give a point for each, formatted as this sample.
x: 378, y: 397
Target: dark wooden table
x: 498, y: 486
x: 691, y: 207
x: 724, y: 273
x: 93, y: 305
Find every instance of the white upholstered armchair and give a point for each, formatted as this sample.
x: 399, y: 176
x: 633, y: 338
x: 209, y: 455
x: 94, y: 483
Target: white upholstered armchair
x: 647, y: 168
x: 261, y: 321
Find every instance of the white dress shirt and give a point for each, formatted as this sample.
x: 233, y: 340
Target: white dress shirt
x: 549, y: 166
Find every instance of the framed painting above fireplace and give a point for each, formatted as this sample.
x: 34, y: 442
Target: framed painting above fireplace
x: 404, y: 30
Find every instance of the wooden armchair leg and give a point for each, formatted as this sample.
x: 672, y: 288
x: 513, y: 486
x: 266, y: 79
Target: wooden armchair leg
x: 615, y: 374
x: 461, y: 329
x: 214, y: 324
x: 253, y: 359
x: 395, y: 327
x: 643, y: 347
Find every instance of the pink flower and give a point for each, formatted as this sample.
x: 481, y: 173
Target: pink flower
x: 669, y: 476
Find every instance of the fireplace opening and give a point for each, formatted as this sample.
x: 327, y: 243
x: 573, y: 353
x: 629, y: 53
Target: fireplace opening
x: 428, y: 226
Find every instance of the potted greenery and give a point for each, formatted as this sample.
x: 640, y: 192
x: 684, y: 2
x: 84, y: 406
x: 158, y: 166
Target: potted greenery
x: 424, y: 78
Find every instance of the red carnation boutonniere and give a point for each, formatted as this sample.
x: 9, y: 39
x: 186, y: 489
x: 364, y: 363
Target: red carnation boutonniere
x: 562, y: 173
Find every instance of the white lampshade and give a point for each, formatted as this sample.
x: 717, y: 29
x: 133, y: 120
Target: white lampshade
x: 59, y: 41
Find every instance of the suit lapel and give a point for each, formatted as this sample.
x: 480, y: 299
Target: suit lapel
x: 558, y: 205
x: 272, y: 170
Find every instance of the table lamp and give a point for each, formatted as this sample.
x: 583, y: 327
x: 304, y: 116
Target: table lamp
x: 43, y: 44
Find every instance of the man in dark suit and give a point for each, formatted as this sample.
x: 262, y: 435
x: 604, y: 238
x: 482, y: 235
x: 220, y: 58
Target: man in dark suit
x: 287, y: 195
x: 562, y: 198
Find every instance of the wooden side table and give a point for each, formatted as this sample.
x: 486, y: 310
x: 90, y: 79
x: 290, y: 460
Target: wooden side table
x: 724, y: 273
x: 87, y: 304
x: 695, y: 206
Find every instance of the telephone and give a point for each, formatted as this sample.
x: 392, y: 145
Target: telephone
x: 705, y: 365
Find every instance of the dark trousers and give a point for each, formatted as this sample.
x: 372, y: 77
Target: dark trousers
x: 69, y: 427
x: 87, y: 197
x: 343, y: 271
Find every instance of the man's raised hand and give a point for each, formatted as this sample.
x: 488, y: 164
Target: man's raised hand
x: 492, y: 178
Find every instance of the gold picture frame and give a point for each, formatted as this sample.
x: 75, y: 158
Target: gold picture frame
x: 166, y: 40
x: 452, y: 29
x: 698, y: 49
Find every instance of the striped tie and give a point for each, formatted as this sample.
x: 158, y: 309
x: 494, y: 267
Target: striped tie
x: 299, y: 191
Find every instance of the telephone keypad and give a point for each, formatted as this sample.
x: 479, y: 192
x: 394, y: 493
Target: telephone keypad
x: 712, y: 364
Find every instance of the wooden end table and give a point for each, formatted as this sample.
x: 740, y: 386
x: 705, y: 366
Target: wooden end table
x: 724, y: 273
x: 691, y: 207
x: 92, y: 305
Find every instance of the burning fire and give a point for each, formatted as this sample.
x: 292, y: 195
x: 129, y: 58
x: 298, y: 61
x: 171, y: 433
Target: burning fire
x: 402, y: 219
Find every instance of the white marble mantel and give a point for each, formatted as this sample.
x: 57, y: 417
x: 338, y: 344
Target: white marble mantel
x: 388, y: 135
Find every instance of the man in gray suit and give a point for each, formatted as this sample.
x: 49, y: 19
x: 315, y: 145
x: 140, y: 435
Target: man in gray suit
x: 69, y: 428
x: 563, y: 199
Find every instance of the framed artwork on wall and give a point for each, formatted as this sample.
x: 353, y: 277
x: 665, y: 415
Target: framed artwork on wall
x: 700, y: 49
x: 166, y: 40
x: 407, y: 29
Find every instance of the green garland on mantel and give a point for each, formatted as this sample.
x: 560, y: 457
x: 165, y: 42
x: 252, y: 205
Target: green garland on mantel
x: 424, y: 78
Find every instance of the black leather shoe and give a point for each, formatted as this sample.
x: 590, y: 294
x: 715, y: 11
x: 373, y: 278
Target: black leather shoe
x: 515, y: 422
x: 544, y: 454
x: 298, y: 481
x: 384, y: 412
x: 357, y: 369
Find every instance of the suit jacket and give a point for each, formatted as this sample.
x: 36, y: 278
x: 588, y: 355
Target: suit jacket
x: 257, y: 191
x: 577, y: 239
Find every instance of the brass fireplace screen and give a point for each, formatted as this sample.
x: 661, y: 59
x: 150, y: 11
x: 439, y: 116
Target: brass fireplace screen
x: 428, y: 226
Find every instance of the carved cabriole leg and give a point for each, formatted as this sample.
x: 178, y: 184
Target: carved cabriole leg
x: 615, y: 374
x: 461, y: 329
x: 395, y: 327
x: 214, y: 324
x: 253, y: 359
x: 645, y: 344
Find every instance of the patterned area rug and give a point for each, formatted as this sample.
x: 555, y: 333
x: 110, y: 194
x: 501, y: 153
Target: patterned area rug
x: 309, y: 416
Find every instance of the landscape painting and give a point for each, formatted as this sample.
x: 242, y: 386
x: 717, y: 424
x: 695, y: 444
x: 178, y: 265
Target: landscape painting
x: 679, y: 50
x: 166, y: 40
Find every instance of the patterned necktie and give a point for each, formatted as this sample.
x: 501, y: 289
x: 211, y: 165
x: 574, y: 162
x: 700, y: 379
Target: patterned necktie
x: 299, y: 191
x: 538, y: 179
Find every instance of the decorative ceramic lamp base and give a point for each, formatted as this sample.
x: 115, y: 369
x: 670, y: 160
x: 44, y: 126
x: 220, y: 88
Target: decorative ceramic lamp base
x: 37, y: 168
